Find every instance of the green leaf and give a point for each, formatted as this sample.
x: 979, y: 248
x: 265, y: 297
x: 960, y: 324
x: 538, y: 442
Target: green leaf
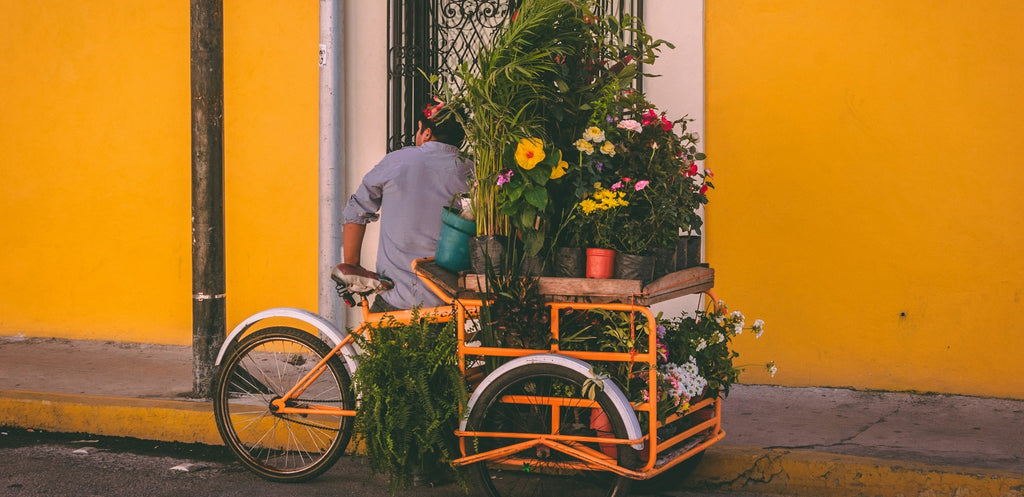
x: 538, y: 197
x: 527, y: 217
x: 700, y: 156
x: 540, y: 174
x: 533, y: 240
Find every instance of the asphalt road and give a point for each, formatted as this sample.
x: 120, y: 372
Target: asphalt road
x: 36, y: 464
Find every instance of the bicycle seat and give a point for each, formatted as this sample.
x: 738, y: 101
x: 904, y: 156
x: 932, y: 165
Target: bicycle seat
x: 360, y: 281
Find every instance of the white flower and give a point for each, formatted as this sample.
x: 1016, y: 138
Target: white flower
x: 701, y: 345
x: 771, y: 368
x: 738, y: 322
x: 719, y: 337
x: 758, y: 328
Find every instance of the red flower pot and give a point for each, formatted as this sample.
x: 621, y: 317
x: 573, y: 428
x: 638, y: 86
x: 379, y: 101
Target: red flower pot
x: 600, y: 263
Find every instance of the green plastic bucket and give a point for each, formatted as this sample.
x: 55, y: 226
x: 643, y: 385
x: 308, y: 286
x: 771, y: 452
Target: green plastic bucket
x: 453, y: 243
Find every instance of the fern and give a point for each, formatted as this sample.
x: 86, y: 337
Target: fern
x: 412, y: 395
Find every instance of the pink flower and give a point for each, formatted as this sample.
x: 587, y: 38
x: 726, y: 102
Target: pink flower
x: 616, y: 186
x: 666, y: 124
x: 505, y: 176
x: 627, y: 180
x: 630, y: 125
x: 708, y: 173
x: 640, y: 185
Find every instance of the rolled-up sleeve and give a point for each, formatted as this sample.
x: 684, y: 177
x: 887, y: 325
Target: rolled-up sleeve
x: 363, y: 206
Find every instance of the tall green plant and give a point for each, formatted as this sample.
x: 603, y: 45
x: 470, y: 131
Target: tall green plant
x: 506, y: 93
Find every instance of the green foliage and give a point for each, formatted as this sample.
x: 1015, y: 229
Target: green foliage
x: 411, y: 396
x: 514, y: 314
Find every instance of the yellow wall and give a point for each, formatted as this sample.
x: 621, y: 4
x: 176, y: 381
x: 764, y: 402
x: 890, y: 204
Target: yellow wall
x: 869, y: 165
x: 95, y: 166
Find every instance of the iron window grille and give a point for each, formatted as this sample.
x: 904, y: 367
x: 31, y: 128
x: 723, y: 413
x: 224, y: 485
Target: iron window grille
x: 435, y: 36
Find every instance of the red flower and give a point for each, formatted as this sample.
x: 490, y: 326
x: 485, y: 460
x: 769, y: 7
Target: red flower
x: 666, y: 124
x: 649, y: 117
x: 703, y: 189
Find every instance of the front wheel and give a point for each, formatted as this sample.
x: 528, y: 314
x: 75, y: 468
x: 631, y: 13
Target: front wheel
x: 282, y: 447
x: 538, y: 400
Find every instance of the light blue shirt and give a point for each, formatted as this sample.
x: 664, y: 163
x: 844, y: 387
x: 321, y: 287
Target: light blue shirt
x: 409, y: 187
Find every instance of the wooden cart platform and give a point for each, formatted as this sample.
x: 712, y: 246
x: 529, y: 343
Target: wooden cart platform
x: 687, y: 281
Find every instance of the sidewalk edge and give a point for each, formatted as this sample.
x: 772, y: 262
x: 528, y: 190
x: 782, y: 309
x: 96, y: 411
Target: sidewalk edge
x: 795, y: 472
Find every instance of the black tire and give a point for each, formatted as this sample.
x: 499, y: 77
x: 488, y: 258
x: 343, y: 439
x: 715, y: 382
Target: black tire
x: 264, y: 366
x: 550, y: 475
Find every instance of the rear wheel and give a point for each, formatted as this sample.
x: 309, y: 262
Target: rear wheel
x: 521, y: 402
x: 282, y: 447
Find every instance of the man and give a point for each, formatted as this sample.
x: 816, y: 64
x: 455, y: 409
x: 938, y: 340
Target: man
x: 409, y: 187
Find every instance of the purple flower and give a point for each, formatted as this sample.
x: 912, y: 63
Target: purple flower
x: 505, y: 176
x: 600, y: 166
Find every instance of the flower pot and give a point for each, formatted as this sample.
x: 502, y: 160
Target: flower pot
x: 488, y: 250
x: 600, y: 263
x: 570, y: 263
x: 664, y: 261
x: 687, y: 252
x: 533, y: 265
x: 634, y: 267
x: 453, y: 243
x: 603, y: 429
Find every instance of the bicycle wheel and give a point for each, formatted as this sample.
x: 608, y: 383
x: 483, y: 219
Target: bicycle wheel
x: 541, y: 470
x: 282, y: 447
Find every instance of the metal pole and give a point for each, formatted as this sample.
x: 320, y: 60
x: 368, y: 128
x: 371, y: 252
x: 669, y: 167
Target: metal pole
x: 332, y: 154
x: 208, y: 281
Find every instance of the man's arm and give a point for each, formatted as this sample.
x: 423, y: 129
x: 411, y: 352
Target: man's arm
x: 352, y: 242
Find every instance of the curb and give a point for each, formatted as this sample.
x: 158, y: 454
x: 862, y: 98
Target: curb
x: 146, y: 419
x: 723, y: 469
x: 799, y: 473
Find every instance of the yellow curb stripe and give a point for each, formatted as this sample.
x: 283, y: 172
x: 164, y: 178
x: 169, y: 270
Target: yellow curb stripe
x: 792, y: 472
x: 164, y: 420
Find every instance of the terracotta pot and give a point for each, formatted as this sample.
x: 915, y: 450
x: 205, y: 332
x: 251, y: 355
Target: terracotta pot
x: 603, y: 429
x: 600, y: 263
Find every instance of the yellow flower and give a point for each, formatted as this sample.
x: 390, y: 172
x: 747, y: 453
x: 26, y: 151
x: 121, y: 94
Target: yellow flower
x: 529, y: 153
x: 584, y: 146
x: 560, y: 169
x: 608, y: 149
x: 588, y: 206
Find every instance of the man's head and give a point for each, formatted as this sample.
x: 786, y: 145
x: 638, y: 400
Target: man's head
x: 438, y: 124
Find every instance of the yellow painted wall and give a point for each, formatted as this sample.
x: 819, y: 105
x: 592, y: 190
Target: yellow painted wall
x: 95, y: 165
x: 869, y: 159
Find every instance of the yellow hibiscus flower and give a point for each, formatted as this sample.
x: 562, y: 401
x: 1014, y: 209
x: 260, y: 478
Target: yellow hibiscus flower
x: 560, y: 169
x: 529, y: 153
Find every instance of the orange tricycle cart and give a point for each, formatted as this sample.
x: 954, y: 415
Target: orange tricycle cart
x: 539, y: 421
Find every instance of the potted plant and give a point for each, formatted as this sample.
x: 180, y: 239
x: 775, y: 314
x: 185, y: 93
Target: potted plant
x: 411, y: 395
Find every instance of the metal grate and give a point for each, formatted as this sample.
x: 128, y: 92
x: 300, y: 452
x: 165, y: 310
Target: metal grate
x: 435, y: 36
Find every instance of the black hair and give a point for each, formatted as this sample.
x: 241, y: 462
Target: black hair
x: 446, y: 129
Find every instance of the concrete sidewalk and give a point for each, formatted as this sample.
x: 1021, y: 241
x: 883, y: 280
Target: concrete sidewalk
x: 784, y: 441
